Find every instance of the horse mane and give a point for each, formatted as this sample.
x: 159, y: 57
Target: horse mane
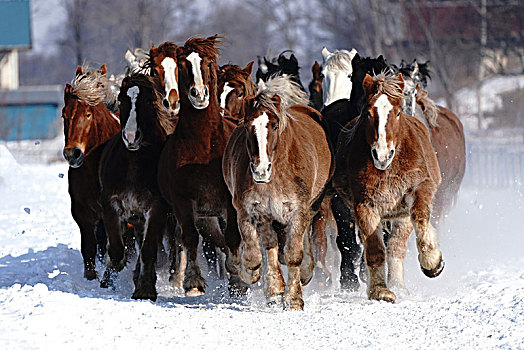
x: 428, y: 106
x: 167, y: 123
x: 204, y: 46
x: 230, y: 73
x: 389, y: 85
x: 93, y: 87
x: 339, y: 60
x: 289, y: 92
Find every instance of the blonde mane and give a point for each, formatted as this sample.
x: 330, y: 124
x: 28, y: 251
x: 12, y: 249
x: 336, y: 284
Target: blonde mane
x: 287, y: 90
x: 428, y: 106
x: 93, y: 87
x: 389, y: 85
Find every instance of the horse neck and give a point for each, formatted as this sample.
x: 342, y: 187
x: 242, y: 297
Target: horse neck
x: 200, y: 121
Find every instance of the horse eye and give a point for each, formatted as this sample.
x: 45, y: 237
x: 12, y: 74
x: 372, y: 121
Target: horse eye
x: 350, y: 75
x: 240, y: 94
x: 88, y: 115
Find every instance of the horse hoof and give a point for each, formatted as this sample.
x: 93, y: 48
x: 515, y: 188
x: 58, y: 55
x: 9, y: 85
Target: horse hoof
x: 349, y: 283
x: 250, y: 276
x: 295, y: 304
x: 107, y: 280
x: 90, y: 275
x: 436, y: 271
x: 144, y: 295
x: 237, y: 287
x: 194, y: 292
x: 275, y: 301
x: 381, y: 293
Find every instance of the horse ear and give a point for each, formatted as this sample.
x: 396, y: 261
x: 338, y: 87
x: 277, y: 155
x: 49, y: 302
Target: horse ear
x: 315, y: 69
x: 79, y: 70
x: 249, y: 67
x: 293, y: 59
x: 401, y: 81
x: 325, y: 53
x: 353, y: 53
x: 367, y: 84
x: 103, y: 69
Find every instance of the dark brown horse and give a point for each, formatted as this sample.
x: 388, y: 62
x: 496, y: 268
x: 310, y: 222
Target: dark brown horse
x: 88, y: 124
x: 277, y: 165
x: 315, y: 87
x: 234, y: 84
x: 387, y: 170
x: 190, y: 167
x: 128, y: 177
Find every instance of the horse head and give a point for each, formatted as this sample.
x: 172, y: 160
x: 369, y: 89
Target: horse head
x: 87, y: 121
x: 198, y: 69
x: 144, y: 120
x: 337, y: 70
x: 382, y: 115
x: 234, y: 84
x: 163, y: 61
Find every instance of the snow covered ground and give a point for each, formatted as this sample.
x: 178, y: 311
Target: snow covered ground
x: 477, y: 303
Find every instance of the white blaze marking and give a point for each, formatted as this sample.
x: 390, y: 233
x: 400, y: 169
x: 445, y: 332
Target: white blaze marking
x: 260, y: 124
x: 383, y: 107
x: 170, y: 82
x: 195, y: 60
x: 223, y: 97
x: 131, y: 125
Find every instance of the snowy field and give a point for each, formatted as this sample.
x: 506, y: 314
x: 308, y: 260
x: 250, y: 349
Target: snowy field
x: 477, y: 303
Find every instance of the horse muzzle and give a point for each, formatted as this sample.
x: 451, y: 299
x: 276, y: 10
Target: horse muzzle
x: 384, y: 162
x: 199, y: 98
x: 132, y: 143
x: 74, y: 156
x: 260, y: 176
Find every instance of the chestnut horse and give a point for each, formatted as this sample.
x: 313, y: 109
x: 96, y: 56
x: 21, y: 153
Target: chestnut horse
x: 234, y: 84
x: 387, y: 170
x: 128, y: 178
x: 277, y: 166
x: 88, y: 124
x: 190, y: 166
x: 315, y: 87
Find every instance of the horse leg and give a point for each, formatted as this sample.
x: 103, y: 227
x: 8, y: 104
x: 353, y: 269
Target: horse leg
x: 208, y: 227
x: 429, y: 255
x: 294, y: 251
x: 101, y: 239
x: 194, y: 284
x: 308, y: 261
x: 274, y: 285
x: 233, y: 264
x: 154, y: 227
x: 319, y: 237
x: 115, y: 247
x: 396, y: 251
x: 350, y: 250
x: 177, y: 256
x: 370, y: 231
x: 251, y: 260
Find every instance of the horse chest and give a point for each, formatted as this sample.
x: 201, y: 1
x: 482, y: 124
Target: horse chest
x: 270, y: 205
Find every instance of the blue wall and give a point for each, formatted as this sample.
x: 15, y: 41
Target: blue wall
x: 28, y: 122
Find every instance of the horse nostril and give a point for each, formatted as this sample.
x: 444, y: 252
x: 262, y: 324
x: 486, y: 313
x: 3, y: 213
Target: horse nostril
x: 206, y: 91
x: 77, y: 153
x: 165, y: 102
x: 138, y: 135
x: 391, y: 153
x: 252, y: 167
x: 374, y: 153
x: 193, y: 92
x: 269, y: 167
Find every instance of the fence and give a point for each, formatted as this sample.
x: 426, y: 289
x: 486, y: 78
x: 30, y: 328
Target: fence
x: 495, y: 160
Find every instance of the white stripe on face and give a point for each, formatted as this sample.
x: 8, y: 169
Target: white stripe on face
x: 383, y: 107
x: 260, y: 124
x: 131, y: 125
x: 223, y: 97
x: 170, y: 82
x: 195, y: 60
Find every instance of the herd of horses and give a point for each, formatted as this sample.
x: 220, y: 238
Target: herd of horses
x: 265, y: 173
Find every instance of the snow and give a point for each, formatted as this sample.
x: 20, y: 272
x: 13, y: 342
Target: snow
x: 477, y: 303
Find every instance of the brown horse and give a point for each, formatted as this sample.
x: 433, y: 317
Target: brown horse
x: 276, y: 166
x: 128, y: 178
x: 387, y: 170
x: 190, y: 167
x: 163, y: 63
x: 234, y: 84
x: 88, y: 124
x: 315, y: 87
